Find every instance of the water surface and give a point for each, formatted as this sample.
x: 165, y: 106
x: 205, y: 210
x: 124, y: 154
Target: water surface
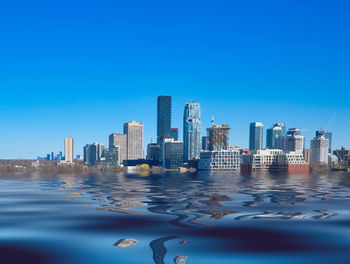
x: 216, y: 217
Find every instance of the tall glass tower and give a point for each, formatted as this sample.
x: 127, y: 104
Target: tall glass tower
x: 192, y: 132
x: 163, y: 117
x: 277, y: 131
x: 256, y: 133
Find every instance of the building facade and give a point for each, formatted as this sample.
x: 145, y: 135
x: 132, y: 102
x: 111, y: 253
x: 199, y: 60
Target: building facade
x: 218, y: 137
x: 294, y: 141
x: 93, y: 153
x: 192, y: 132
x: 273, y: 134
x: 163, y: 116
x: 205, y: 142
x: 68, y: 149
x: 220, y: 160
x: 113, y: 157
x: 153, y: 151
x: 120, y: 140
x: 173, y: 154
x: 327, y: 135
x: 174, y: 133
x: 134, y: 140
x: 343, y: 155
x: 274, y: 160
x: 319, y: 150
x: 307, y: 155
x: 256, y: 135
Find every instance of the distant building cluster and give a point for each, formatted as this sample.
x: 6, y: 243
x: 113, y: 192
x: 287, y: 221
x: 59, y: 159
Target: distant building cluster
x: 284, y: 149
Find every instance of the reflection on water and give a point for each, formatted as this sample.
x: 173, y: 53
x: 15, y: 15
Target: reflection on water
x: 199, y: 218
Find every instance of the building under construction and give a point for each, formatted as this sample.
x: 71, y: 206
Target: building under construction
x: 218, y: 137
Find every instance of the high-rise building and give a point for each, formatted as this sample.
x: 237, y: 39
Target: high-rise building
x: 218, y: 137
x: 116, y: 139
x: 319, y: 149
x: 153, y: 151
x: 205, y: 142
x: 134, y: 140
x: 174, y: 133
x: 256, y: 133
x: 294, y: 141
x: 173, y: 154
x: 68, y: 149
x: 273, y: 134
x: 93, y: 153
x: 192, y: 133
x: 327, y: 135
x: 113, y: 156
x: 163, y: 116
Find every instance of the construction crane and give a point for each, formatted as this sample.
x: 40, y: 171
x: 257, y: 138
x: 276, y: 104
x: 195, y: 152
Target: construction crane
x: 330, y: 122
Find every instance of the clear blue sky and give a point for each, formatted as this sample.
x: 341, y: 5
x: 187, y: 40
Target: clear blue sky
x: 83, y: 68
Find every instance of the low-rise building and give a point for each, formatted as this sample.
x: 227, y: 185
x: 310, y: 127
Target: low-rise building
x: 220, y: 160
x: 274, y: 160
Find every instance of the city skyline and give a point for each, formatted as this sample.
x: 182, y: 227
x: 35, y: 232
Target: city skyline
x: 107, y: 142
x: 66, y: 66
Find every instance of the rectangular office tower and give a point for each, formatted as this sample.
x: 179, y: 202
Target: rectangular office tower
x: 173, y: 154
x: 134, y: 140
x: 273, y: 135
x: 68, y: 149
x: 118, y: 140
x: 327, y: 135
x: 192, y: 133
x: 163, y: 117
x: 256, y: 133
x: 319, y: 149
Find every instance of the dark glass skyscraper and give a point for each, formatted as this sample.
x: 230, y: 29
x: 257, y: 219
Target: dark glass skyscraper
x: 163, y: 116
x: 174, y: 133
x: 256, y: 132
x: 273, y: 135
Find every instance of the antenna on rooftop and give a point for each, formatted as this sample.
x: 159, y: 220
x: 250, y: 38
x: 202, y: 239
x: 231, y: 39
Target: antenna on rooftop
x: 212, y: 120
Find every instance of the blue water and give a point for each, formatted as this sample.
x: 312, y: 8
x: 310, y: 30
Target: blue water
x: 208, y: 217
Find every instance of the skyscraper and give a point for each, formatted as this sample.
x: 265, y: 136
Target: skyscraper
x: 92, y: 153
x: 68, y: 149
x: 205, y: 142
x: 218, y: 137
x: 327, y: 135
x: 319, y: 149
x: 256, y: 133
x: 134, y: 140
x: 163, y: 116
x: 273, y: 134
x: 294, y: 141
x: 174, y: 133
x: 173, y: 152
x: 192, y: 133
x: 118, y: 140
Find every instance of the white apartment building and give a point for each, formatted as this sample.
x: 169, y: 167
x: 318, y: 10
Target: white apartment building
x: 220, y: 160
